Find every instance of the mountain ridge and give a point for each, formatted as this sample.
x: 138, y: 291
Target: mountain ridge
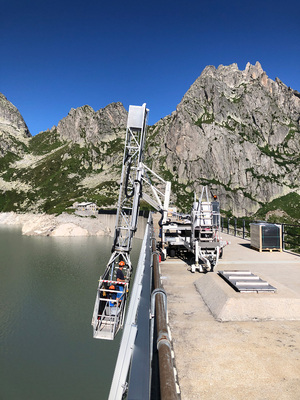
x: 237, y: 131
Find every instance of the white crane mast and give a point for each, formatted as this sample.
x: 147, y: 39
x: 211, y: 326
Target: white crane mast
x: 109, y: 310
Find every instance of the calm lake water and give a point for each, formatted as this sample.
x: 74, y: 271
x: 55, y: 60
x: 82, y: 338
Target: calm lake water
x: 47, y: 294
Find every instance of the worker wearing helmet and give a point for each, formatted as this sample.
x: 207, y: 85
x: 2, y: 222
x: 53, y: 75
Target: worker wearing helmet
x: 120, y: 275
x: 120, y: 278
x: 112, y: 295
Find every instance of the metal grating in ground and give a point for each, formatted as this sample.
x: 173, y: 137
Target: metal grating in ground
x: 246, y: 281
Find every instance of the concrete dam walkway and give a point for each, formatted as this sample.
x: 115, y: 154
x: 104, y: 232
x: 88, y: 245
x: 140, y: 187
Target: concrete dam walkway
x: 231, y: 345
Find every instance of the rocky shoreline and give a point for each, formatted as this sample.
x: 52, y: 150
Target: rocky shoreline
x: 60, y: 225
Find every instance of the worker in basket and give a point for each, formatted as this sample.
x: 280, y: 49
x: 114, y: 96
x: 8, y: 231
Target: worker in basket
x: 120, y: 278
x: 112, y: 296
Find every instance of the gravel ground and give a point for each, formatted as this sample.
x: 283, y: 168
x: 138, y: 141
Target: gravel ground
x: 51, y: 225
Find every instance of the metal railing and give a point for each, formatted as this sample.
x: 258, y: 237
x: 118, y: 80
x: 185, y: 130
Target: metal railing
x: 241, y: 227
x: 291, y: 237
x: 236, y: 227
x: 167, y: 381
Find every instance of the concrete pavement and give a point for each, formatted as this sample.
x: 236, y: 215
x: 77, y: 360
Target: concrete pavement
x: 254, y: 358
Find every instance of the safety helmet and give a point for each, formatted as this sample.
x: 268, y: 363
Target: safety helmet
x: 121, y: 263
x: 111, y: 287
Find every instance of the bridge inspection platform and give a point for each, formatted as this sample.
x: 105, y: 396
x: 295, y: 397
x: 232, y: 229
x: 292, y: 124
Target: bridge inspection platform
x: 231, y: 345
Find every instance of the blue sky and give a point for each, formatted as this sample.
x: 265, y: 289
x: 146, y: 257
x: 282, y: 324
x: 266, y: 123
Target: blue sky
x: 62, y: 54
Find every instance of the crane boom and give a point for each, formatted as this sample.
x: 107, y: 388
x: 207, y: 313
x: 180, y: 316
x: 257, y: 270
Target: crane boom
x: 110, y: 304
x: 131, y: 180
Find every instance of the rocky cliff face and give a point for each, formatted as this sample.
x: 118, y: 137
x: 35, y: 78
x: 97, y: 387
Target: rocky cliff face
x: 237, y: 131
x: 84, y: 125
x: 13, y: 129
x: 78, y: 160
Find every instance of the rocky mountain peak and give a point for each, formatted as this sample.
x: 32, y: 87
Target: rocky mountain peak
x: 83, y: 124
x: 11, y: 121
x: 232, y: 76
x: 113, y: 115
x: 254, y: 71
x: 14, y: 133
x: 231, y: 129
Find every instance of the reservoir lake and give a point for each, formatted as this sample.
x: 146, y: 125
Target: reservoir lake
x: 47, y: 294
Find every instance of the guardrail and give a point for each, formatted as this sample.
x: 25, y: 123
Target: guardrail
x: 159, y: 310
x: 236, y: 227
x: 291, y: 237
x: 241, y: 227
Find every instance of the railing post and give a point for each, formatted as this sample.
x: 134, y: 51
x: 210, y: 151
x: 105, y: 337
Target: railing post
x: 234, y: 226
x: 243, y: 229
x: 228, y: 222
x: 282, y: 236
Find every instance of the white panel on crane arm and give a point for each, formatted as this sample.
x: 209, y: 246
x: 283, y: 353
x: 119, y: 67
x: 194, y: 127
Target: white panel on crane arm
x: 136, y: 116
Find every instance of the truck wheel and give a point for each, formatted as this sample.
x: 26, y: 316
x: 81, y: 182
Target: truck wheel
x: 172, y: 253
x: 221, y: 253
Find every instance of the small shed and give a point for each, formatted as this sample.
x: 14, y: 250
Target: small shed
x: 86, y: 206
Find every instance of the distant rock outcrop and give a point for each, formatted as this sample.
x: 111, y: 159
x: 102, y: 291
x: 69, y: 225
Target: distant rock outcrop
x: 237, y: 131
x: 13, y: 129
x: 50, y: 225
x: 84, y: 125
